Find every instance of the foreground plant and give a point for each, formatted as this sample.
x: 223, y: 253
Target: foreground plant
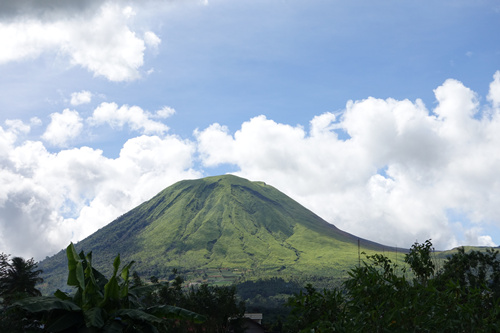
x: 99, y: 304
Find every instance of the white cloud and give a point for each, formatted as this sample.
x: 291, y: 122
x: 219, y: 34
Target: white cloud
x: 63, y: 127
x: 151, y: 39
x: 165, y: 112
x: 35, y: 121
x: 323, y: 124
x: 494, y: 93
x: 26, y: 216
x: 473, y: 236
x: 400, y: 171
x: 7, y: 139
x: 133, y: 116
x: 82, y: 97
x: 17, y: 126
x: 102, y: 42
x: 49, y: 199
x: 215, y: 145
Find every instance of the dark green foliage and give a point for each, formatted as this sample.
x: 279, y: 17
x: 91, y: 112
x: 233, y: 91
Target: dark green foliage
x: 98, y: 304
x: 420, y: 260
x: 218, y: 304
x: 18, y: 278
x: 474, y: 270
x: 136, y: 280
x: 377, y: 297
x: 267, y: 296
x: 267, y: 287
x: 312, y: 310
x: 15, y: 320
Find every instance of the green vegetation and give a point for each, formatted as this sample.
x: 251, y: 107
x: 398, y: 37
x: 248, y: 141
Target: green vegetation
x: 248, y: 230
x: 225, y: 231
x: 379, y: 296
x: 18, y: 278
x: 219, y: 305
x: 268, y: 296
x: 123, y: 304
x: 98, y: 304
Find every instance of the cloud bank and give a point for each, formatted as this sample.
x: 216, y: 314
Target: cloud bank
x: 387, y: 170
x: 49, y: 199
x: 392, y: 171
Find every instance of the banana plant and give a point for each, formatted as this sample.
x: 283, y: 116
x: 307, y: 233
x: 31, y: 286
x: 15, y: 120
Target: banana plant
x: 99, y: 304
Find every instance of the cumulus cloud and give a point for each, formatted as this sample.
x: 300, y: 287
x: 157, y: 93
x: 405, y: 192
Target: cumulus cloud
x: 35, y: 121
x: 63, y: 127
x: 17, y: 126
x: 25, y: 215
x: 49, y: 199
x: 396, y: 172
x: 388, y: 170
x: 7, y: 140
x: 82, y: 97
x: 165, y: 112
x: 473, y: 236
x: 100, y: 41
x: 151, y: 39
x: 494, y: 93
x: 133, y: 116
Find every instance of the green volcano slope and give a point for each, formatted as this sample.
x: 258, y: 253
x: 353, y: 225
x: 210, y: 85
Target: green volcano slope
x: 223, y: 222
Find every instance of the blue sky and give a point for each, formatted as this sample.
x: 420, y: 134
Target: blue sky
x: 380, y: 116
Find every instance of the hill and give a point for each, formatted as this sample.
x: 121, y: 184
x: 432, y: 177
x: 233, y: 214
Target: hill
x: 225, y: 224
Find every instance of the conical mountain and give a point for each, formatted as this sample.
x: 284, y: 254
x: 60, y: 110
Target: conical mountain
x: 222, y: 222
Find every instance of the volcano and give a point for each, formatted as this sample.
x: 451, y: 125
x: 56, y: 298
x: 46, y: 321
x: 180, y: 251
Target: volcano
x: 221, y: 222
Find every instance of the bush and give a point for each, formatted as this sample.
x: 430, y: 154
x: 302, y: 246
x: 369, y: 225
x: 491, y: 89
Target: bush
x: 378, y: 297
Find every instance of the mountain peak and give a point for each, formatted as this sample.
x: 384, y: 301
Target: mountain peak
x: 225, y: 221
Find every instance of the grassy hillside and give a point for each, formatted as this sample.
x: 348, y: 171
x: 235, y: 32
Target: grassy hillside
x: 223, y: 222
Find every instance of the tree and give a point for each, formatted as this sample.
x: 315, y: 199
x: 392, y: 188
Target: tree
x: 18, y: 278
x: 315, y: 311
x: 218, y: 304
x: 420, y: 260
x: 377, y: 297
x: 473, y: 270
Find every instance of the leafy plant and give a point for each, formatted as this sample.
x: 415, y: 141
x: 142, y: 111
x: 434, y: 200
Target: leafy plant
x: 420, y: 260
x: 99, y: 304
x: 313, y: 311
x: 377, y: 297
